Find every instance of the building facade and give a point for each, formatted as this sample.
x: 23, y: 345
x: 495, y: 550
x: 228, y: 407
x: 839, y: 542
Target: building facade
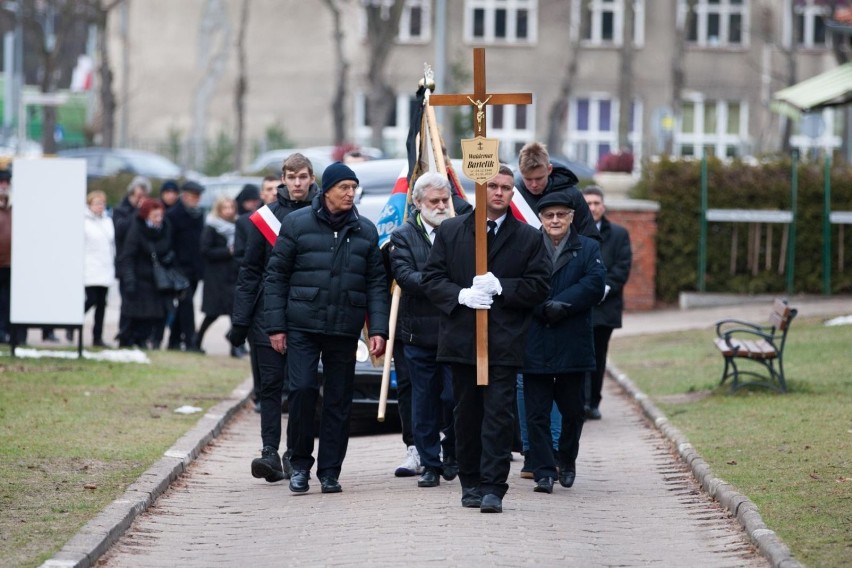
x: 177, y: 69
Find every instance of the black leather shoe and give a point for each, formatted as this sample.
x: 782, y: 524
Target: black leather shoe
x: 593, y: 414
x: 429, y: 478
x: 471, y: 498
x: 299, y: 481
x: 491, y: 504
x: 285, y: 464
x: 329, y: 484
x: 544, y: 485
x: 450, y: 468
x: 566, y: 477
x: 268, y: 466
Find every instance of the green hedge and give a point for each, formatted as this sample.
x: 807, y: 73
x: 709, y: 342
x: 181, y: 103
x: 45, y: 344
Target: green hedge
x: 676, y: 186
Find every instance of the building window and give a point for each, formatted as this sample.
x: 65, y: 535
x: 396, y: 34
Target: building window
x: 501, y: 21
x: 593, y: 128
x: 714, y: 128
x: 395, y: 131
x: 718, y: 23
x: 415, y: 22
x: 602, y: 22
x: 808, y: 27
x: 511, y: 125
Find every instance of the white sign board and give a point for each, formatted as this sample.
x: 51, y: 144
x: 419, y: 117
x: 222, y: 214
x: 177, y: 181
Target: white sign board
x: 48, y: 201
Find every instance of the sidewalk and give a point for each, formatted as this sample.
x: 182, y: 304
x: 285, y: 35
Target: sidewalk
x: 634, y: 503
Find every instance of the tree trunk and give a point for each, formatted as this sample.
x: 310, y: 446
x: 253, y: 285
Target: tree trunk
x: 338, y: 102
x: 382, y: 30
x: 558, y: 112
x: 240, y: 95
x: 679, y: 69
x: 625, y: 77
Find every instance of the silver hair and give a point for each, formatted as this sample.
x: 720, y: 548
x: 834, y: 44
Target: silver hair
x: 139, y: 181
x: 427, y: 180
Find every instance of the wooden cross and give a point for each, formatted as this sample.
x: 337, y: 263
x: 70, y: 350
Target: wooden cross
x: 479, y: 99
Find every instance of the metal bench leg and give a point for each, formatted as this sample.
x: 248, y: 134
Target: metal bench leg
x: 725, y: 371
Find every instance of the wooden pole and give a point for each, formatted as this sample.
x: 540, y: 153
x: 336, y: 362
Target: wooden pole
x: 383, y: 393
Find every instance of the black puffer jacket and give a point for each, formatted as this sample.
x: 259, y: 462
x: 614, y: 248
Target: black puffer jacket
x: 187, y: 226
x: 319, y: 280
x: 563, y: 179
x: 418, y: 317
x: 248, y: 295
x: 141, y: 298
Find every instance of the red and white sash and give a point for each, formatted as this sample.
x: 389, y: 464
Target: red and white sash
x: 522, y: 210
x: 267, y: 223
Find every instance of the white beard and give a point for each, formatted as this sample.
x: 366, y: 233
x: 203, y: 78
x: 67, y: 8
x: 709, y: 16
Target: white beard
x: 434, y: 218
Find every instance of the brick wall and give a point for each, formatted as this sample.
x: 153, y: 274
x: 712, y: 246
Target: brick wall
x: 640, y: 219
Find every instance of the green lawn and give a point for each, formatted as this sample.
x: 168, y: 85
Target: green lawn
x: 74, y: 434
x: 791, y: 454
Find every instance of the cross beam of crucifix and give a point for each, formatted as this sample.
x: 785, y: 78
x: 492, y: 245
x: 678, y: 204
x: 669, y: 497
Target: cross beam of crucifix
x: 479, y: 99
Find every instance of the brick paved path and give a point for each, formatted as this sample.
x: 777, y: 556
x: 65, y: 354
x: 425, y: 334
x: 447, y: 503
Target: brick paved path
x: 632, y: 505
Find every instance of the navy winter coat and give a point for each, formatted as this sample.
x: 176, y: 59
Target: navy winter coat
x: 617, y: 256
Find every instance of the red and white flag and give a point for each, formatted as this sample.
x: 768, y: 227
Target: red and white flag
x: 522, y: 210
x: 267, y: 223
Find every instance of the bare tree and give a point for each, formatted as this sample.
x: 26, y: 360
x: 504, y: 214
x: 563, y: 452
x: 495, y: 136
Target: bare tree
x: 341, y: 73
x: 683, y: 22
x: 240, y: 94
x: 558, y: 112
x: 382, y: 29
x: 625, y: 77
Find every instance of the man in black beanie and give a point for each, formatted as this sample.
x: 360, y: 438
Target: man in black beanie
x: 324, y: 276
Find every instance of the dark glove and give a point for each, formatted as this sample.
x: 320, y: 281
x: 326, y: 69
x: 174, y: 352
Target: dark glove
x: 237, y: 335
x: 554, y: 311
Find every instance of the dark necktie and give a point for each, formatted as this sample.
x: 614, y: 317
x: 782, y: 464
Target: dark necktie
x: 492, y: 230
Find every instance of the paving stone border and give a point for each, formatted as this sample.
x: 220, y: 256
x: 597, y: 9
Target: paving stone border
x: 96, y: 536
x: 740, y: 506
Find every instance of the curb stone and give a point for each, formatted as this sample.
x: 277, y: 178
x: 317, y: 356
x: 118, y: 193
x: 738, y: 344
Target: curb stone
x: 740, y: 506
x: 96, y: 536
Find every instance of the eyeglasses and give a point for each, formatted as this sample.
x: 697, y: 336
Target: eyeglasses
x: 556, y: 215
x: 347, y: 187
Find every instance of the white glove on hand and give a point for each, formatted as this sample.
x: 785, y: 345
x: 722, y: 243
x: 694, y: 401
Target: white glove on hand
x: 475, y: 299
x: 487, y: 283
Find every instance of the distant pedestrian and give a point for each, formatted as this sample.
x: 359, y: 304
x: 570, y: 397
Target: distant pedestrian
x: 99, y: 259
x: 123, y: 216
x: 169, y: 193
x: 187, y: 223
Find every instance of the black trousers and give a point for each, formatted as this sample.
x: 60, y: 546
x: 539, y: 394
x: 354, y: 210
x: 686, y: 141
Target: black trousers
x: 338, y: 361
x: 96, y: 297
x: 272, y: 369
x: 485, y: 427
x: 403, y: 392
x: 602, y: 336
x: 540, y: 392
x: 183, y: 326
x: 255, y: 369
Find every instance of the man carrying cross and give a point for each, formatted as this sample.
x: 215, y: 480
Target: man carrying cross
x: 517, y: 280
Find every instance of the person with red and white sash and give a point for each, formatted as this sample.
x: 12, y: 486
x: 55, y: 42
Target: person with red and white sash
x: 297, y: 190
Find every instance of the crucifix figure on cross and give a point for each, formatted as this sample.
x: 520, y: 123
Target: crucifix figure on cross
x: 479, y: 99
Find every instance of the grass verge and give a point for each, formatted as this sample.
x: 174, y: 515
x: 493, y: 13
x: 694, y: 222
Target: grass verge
x: 791, y: 454
x: 74, y: 434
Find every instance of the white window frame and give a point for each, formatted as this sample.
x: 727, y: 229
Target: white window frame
x: 831, y: 138
x: 597, y: 9
x: 511, y: 136
x: 393, y: 137
x: 719, y: 140
x: 810, y: 11
x: 404, y: 35
x: 511, y: 6
x: 583, y: 145
x: 725, y: 10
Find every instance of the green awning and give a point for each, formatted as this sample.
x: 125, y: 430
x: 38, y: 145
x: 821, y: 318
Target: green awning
x: 831, y: 88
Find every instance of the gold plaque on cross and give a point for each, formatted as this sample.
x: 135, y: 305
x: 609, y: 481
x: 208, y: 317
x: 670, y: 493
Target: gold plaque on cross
x: 480, y: 160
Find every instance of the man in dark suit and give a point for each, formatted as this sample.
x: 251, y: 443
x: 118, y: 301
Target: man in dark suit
x: 518, y: 279
x: 606, y: 316
x: 187, y: 220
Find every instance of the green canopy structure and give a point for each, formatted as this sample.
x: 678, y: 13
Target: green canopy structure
x: 831, y: 88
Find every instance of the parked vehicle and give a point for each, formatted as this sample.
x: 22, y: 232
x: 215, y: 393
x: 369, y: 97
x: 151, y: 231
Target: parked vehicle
x: 223, y: 185
x: 106, y: 162
x: 320, y: 156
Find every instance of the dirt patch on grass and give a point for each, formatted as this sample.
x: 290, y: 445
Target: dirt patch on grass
x: 683, y: 398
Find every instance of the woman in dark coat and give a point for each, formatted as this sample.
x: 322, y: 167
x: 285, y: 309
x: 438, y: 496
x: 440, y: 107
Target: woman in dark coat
x: 220, y: 267
x: 143, y: 304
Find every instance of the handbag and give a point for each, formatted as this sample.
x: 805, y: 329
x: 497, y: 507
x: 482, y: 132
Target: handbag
x: 167, y: 278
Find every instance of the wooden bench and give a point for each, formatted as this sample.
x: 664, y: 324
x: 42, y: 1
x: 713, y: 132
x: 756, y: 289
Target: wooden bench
x: 739, y: 340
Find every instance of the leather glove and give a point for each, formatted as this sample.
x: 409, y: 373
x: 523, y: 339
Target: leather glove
x: 487, y: 283
x: 475, y: 299
x: 554, y: 311
x: 237, y: 335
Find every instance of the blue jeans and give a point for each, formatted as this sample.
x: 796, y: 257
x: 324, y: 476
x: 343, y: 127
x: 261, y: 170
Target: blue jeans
x: 555, y: 419
x: 431, y: 404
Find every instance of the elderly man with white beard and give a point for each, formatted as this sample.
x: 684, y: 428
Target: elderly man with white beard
x: 431, y: 382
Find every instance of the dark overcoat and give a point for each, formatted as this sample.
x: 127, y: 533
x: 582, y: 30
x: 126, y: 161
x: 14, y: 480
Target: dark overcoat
x: 220, y: 274
x: 568, y: 346
x: 618, y: 257
x: 517, y: 257
x: 326, y: 281
x: 141, y: 299
x: 186, y: 233
x: 248, y: 295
